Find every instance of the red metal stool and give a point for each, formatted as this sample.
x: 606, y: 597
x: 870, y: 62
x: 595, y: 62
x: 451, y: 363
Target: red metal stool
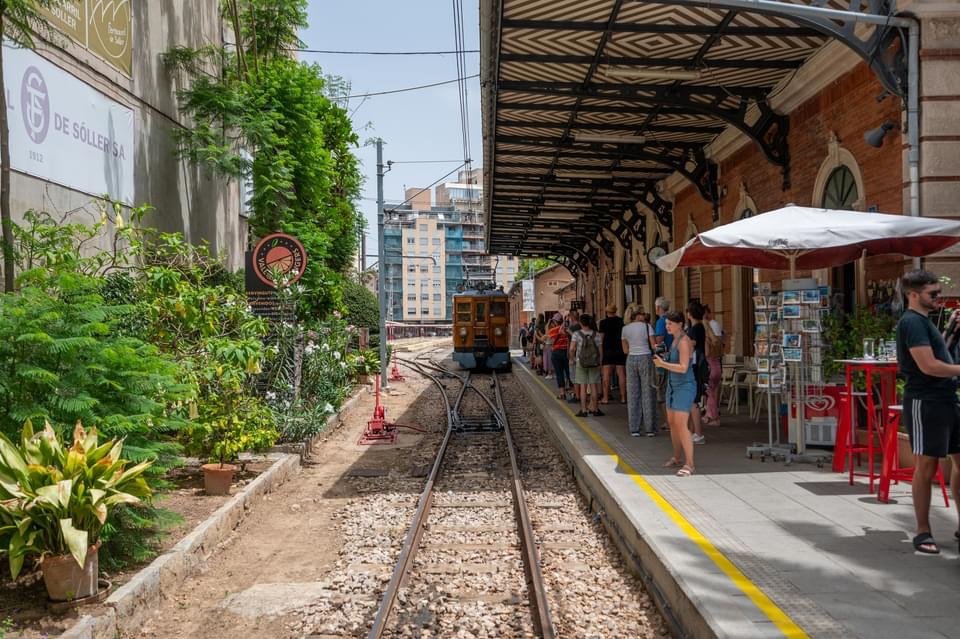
x: 891, y: 470
x: 847, y: 444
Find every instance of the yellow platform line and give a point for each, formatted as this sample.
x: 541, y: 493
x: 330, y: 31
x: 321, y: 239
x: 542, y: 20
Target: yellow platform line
x: 759, y: 598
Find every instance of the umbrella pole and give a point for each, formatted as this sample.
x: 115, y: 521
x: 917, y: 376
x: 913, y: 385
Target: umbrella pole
x: 793, y: 266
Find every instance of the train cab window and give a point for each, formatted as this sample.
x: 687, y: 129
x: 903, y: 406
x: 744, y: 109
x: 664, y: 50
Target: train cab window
x: 498, y: 309
x: 463, y: 312
x: 481, y: 313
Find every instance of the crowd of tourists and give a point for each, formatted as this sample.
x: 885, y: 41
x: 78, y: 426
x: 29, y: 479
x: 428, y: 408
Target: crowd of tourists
x: 671, y: 358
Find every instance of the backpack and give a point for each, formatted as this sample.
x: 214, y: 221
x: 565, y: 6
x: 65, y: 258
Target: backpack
x: 589, y: 352
x: 714, y: 345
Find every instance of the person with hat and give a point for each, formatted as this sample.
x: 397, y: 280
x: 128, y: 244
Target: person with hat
x: 614, y: 359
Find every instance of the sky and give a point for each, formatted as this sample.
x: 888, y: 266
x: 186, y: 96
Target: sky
x: 416, y: 126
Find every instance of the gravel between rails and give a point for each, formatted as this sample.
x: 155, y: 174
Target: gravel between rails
x: 467, y: 579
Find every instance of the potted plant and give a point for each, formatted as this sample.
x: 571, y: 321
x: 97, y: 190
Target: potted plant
x: 247, y: 424
x: 364, y: 363
x: 54, y: 502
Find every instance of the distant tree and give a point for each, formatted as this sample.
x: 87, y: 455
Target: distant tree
x: 19, y: 21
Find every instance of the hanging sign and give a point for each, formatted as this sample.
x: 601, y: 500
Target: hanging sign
x: 65, y: 131
x: 529, y: 302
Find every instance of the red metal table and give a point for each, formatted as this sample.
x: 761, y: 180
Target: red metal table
x: 877, y: 373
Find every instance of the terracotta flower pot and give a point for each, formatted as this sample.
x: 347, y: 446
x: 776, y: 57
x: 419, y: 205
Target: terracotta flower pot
x: 66, y: 580
x: 217, y: 478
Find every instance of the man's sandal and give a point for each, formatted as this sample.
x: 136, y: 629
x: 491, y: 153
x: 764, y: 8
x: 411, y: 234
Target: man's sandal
x: 686, y: 471
x: 924, y: 543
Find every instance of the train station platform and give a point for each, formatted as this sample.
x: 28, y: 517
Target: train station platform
x: 746, y: 548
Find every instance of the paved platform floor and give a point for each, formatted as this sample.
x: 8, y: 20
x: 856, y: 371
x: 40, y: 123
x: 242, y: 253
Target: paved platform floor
x: 765, y: 549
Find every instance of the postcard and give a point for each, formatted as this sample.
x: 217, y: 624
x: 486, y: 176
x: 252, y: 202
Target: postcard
x: 790, y: 297
x: 811, y: 296
x: 760, y: 302
x: 763, y: 380
x: 763, y: 365
x: 791, y: 340
x: 791, y: 311
x: 824, y: 314
x: 824, y: 291
x: 775, y: 349
x: 792, y: 354
x: 760, y: 317
x: 773, y: 317
x: 763, y: 288
x: 824, y: 301
x: 761, y: 348
x: 810, y: 326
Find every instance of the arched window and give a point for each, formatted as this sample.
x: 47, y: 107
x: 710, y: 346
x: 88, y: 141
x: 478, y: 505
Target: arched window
x: 840, y: 191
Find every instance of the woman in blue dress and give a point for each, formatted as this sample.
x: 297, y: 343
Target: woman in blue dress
x: 681, y: 392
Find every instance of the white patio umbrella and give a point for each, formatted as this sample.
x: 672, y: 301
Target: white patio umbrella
x: 800, y: 237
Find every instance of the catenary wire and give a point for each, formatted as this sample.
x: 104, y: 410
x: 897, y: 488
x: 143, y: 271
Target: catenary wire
x: 416, y: 88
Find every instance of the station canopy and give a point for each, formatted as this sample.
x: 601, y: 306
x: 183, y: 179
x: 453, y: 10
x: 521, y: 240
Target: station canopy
x: 588, y: 104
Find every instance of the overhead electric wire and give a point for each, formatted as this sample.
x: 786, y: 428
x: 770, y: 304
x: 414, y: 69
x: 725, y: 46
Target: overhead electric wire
x: 416, y: 88
x: 427, y: 188
x: 459, y: 45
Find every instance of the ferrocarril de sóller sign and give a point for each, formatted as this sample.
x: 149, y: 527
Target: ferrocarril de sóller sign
x: 65, y: 131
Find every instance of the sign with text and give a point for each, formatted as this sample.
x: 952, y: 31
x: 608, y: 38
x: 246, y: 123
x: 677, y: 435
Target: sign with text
x: 64, y: 131
x: 529, y: 302
x: 103, y: 26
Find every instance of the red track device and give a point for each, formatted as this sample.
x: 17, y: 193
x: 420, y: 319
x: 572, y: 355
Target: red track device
x: 379, y: 430
x: 395, y: 374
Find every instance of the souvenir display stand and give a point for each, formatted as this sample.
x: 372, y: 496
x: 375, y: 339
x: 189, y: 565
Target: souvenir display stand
x: 770, y: 369
x: 804, y: 306
x: 788, y: 350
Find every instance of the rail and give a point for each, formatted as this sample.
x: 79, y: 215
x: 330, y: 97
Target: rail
x: 531, y: 560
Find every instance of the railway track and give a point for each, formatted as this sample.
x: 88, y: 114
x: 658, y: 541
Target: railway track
x: 452, y: 572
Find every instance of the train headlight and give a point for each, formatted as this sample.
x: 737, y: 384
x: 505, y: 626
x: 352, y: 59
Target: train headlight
x: 498, y: 331
x: 463, y: 331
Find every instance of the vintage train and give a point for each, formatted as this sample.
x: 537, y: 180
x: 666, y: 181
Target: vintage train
x: 481, y: 329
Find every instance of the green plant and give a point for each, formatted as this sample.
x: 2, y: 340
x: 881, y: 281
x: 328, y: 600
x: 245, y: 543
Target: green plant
x: 262, y: 115
x: 207, y: 327
x: 64, y: 357
x: 55, y: 501
x: 844, y: 335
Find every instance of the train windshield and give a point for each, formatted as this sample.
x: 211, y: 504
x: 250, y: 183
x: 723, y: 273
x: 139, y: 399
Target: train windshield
x: 463, y: 312
x: 498, y: 309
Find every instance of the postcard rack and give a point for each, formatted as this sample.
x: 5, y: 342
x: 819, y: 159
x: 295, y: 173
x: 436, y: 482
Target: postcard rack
x: 788, y: 352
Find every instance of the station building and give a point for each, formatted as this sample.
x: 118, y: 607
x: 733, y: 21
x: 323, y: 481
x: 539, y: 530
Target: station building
x: 91, y: 112
x: 615, y: 131
x: 433, y: 247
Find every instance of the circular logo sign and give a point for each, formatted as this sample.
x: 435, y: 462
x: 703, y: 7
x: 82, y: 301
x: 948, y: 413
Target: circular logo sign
x: 35, y: 105
x: 279, y: 253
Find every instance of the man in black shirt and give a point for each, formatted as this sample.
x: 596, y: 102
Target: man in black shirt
x: 931, y: 413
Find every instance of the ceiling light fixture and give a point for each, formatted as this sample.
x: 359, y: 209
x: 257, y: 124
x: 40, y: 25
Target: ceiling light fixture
x: 636, y: 73
x: 609, y: 139
x: 587, y: 175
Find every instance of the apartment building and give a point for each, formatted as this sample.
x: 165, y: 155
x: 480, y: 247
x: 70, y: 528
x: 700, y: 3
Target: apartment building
x: 434, y: 247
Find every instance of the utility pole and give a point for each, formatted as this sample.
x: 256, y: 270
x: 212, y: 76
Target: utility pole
x: 381, y: 268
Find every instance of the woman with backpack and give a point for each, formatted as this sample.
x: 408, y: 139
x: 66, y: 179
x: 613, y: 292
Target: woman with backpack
x: 586, y: 349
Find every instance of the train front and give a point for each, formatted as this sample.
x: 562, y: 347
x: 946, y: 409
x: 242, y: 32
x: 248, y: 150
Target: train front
x: 481, y: 330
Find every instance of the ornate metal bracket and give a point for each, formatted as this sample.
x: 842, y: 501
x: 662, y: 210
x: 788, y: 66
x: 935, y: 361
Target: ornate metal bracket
x: 884, y: 49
